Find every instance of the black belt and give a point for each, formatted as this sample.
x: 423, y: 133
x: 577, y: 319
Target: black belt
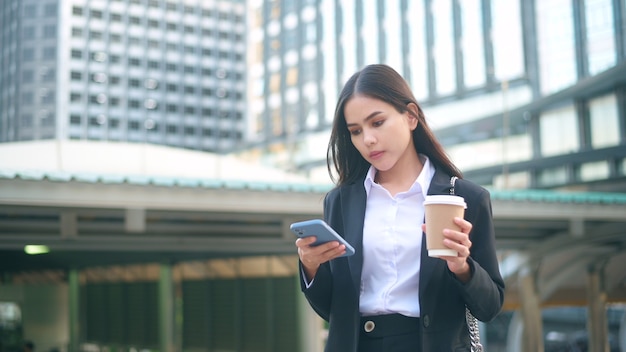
x: 388, y: 325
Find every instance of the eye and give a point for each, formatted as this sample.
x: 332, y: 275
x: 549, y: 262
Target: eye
x: 355, y: 132
x: 378, y: 123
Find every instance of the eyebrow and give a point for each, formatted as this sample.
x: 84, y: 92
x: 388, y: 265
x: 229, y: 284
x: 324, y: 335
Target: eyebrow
x: 369, y: 117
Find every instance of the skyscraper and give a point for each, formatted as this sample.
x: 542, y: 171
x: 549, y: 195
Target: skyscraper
x: 522, y: 93
x: 159, y: 71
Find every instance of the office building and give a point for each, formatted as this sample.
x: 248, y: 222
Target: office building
x: 157, y: 71
x: 523, y: 94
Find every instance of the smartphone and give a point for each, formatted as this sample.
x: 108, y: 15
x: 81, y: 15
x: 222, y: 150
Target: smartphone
x: 321, y: 230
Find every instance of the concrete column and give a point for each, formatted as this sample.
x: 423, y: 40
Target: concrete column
x: 74, y: 309
x: 622, y: 333
x: 597, y: 324
x: 531, y: 312
x: 515, y: 333
x: 167, y: 331
x: 310, y: 324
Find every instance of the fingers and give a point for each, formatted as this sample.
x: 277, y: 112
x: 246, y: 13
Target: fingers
x: 314, y: 256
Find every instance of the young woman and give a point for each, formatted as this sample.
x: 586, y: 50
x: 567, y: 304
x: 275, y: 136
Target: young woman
x: 390, y: 295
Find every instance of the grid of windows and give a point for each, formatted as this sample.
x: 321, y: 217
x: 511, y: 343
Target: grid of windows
x: 132, y: 67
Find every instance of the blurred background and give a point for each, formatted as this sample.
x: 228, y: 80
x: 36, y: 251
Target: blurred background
x: 154, y: 152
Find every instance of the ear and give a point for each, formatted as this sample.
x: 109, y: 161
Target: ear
x: 412, y: 111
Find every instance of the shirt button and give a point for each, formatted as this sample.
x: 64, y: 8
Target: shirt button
x: 426, y: 321
x: 369, y: 326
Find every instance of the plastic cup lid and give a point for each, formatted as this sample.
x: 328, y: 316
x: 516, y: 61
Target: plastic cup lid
x: 445, y: 199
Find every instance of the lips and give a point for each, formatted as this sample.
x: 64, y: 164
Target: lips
x: 376, y: 155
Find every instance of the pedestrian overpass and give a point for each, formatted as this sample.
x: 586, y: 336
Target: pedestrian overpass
x: 555, y: 248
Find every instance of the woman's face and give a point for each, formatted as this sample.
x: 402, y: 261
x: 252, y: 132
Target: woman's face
x: 379, y: 132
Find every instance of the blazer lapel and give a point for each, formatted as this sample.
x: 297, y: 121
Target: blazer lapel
x: 440, y: 184
x: 353, y: 199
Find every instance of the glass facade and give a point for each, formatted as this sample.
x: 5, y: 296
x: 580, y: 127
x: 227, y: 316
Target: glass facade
x: 524, y: 84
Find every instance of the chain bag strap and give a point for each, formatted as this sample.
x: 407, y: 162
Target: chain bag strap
x: 472, y: 322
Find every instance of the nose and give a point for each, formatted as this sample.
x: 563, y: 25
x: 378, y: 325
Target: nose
x: 368, y: 137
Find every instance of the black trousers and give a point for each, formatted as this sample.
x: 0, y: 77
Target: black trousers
x: 390, y: 333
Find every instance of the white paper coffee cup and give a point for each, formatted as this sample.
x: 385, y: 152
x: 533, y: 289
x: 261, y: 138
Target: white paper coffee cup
x: 440, y: 211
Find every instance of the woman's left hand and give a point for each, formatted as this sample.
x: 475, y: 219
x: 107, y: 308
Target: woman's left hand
x: 460, y: 242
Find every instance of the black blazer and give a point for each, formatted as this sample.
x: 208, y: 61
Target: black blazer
x: 334, y: 293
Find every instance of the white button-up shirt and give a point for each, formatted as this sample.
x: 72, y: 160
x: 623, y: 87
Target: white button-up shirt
x: 392, y: 244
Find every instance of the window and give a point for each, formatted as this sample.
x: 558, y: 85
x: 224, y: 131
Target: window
x: 115, y: 17
x: 95, y: 35
x: 604, y: 122
x: 96, y: 14
x: 76, y: 97
x: 77, y: 54
x: 76, y: 76
x: 48, y: 98
x: 28, y: 32
x: 134, y: 61
x: 150, y: 104
x: 99, y: 77
x: 27, y: 98
x: 443, y: 47
x: 30, y: 10
x: 50, y: 31
x: 27, y: 76
x: 115, y: 38
x: 153, y: 65
x: 49, y: 52
x: 28, y: 54
x: 75, y: 119
x: 508, y: 51
x: 77, y: 11
x: 559, y: 131
x: 77, y: 32
x: 48, y: 75
x: 99, y: 56
x: 556, y: 45
x: 600, y: 35
x: 474, y: 72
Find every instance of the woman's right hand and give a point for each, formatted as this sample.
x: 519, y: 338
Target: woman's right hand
x: 312, y: 257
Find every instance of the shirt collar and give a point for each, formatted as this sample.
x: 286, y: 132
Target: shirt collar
x: 423, y: 179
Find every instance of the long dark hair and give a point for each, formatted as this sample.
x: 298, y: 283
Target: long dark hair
x: 383, y: 83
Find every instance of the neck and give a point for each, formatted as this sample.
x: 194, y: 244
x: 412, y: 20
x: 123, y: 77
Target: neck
x: 401, y: 176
